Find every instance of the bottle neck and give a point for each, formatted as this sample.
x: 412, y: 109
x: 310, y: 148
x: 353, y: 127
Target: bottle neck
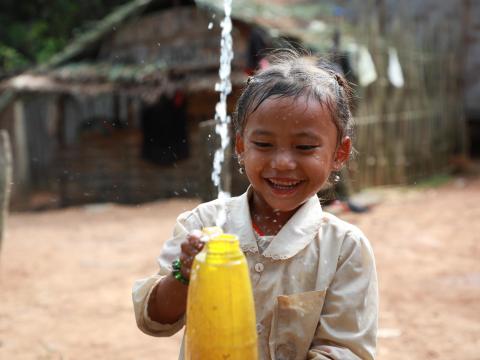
x: 224, y: 246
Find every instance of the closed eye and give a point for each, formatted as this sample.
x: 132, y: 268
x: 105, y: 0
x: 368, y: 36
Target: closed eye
x: 261, y: 144
x: 306, y: 147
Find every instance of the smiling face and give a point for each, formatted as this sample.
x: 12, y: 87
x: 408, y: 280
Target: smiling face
x: 289, y: 148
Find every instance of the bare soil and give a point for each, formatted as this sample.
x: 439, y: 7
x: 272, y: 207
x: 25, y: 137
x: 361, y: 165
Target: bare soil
x: 66, y: 276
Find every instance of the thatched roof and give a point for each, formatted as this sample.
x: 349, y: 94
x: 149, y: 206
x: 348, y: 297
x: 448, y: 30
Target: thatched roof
x: 90, y: 38
x: 311, y: 22
x: 92, y: 80
x: 75, y: 69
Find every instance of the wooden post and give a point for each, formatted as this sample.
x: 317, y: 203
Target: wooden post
x: 5, y: 178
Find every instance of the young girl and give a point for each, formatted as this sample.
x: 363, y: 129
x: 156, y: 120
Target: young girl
x: 313, y: 275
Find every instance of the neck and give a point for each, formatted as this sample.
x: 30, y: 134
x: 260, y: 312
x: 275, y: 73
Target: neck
x: 269, y: 221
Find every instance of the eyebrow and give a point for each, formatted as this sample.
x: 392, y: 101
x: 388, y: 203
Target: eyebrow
x: 260, y: 132
x: 301, y: 134
x: 306, y: 134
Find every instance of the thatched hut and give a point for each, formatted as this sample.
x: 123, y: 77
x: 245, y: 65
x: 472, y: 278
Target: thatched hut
x: 119, y: 115
x: 115, y: 116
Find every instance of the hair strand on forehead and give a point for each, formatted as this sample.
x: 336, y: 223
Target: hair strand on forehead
x: 294, y: 74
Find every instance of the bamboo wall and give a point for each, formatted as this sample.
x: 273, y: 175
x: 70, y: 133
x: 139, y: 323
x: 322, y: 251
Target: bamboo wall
x: 409, y: 133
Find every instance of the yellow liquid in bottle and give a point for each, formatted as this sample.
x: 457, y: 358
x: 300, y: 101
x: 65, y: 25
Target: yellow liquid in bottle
x: 220, y: 308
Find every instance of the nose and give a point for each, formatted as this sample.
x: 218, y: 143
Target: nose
x: 283, y: 160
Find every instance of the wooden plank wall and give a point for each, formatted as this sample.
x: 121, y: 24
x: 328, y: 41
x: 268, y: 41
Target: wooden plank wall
x: 5, y: 179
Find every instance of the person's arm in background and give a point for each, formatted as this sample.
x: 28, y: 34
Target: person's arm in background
x: 348, y: 323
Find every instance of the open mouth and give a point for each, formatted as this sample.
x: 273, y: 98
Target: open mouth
x: 283, y: 185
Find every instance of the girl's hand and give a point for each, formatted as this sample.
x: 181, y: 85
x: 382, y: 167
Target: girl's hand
x: 190, y: 247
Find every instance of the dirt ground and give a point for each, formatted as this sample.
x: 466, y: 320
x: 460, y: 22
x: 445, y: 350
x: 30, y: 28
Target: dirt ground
x: 66, y: 276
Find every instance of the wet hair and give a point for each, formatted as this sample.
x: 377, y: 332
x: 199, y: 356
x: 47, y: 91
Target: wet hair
x: 294, y: 74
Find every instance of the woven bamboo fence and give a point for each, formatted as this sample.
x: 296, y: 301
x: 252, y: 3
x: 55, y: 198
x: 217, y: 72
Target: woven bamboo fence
x: 407, y: 134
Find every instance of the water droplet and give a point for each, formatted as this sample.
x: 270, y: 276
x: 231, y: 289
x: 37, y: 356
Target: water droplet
x: 210, y: 26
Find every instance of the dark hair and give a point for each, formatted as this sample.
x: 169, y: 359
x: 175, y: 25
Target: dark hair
x: 295, y: 74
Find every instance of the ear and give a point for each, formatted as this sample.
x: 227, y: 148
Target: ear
x: 342, y: 154
x: 239, y: 145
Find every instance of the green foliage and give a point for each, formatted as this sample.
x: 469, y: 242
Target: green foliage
x: 11, y: 60
x: 32, y: 31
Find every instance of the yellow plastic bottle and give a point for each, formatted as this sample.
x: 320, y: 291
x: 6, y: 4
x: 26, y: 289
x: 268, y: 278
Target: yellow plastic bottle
x: 220, y: 308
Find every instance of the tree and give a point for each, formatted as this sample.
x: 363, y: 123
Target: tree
x: 32, y: 31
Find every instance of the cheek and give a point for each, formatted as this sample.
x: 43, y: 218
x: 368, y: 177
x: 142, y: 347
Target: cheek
x: 254, y: 162
x: 322, y: 162
x: 251, y: 156
x: 319, y: 158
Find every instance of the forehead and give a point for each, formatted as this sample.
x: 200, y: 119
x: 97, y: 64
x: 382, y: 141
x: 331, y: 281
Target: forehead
x: 291, y: 111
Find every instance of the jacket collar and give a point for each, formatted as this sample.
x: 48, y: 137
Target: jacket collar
x: 295, y: 235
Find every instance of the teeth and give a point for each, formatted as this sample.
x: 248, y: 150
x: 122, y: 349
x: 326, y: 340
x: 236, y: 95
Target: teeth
x: 284, y: 183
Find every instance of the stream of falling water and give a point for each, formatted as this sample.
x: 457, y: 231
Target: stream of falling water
x: 224, y: 87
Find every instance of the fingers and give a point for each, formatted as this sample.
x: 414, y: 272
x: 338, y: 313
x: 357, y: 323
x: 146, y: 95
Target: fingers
x: 194, y: 240
x: 191, y: 247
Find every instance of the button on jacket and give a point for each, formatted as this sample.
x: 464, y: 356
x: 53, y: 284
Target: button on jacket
x: 315, y: 285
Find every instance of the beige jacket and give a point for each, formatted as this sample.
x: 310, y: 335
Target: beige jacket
x: 315, y: 285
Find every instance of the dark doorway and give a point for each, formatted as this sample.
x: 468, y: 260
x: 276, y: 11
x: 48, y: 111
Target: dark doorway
x: 164, y: 126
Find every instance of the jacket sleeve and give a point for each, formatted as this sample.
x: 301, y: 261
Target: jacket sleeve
x: 348, y: 322
x: 142, y: 289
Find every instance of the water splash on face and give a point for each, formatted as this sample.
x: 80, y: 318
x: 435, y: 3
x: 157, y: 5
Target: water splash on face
x: 224, y: 87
